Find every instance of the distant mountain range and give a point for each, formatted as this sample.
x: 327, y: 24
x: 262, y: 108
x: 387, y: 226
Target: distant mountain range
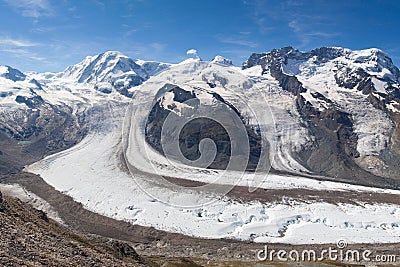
x: 336, y: 111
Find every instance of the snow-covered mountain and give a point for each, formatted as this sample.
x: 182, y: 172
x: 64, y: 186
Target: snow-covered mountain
x: 112, y: 70
x: 15, y: 83
x: 350, y: 103
x: 336, y: 111
x: 46, y: 112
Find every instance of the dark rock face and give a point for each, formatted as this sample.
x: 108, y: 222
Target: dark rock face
x: 273, y: 62
x: 13, y: 74
x: 35, y: 82
x: 365, y: 86
x: 32, y: 102
x: 181, y: 95
x: 35, y: 133
x: 348, y: 78
x: 334, y: 149
x: 126, y: 250
x: 325, y: 54
x: 42, y: 215
x: 288, y: 83
x: 253, y: 60
x: 322, y: 54
x: 129, y: 81
x: 197, y: 129
x: 335, y: 142
x: 1, y: 202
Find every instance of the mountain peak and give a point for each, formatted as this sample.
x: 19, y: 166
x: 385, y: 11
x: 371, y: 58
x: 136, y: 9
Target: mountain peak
x: 221, y: 60
x: 113, y: 52
x: 112, y: 71
x: 100, y: 67
x: 191, y: 60
x: 371, y: 53
x: 372, y: 60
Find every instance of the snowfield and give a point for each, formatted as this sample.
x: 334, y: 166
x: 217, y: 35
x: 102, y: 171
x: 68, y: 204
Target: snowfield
x: 115, y: 173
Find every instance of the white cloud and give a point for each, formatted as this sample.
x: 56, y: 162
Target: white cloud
x: 24, y: 54
x: 306, y: 33
x: 99, y: 3
x: 157, y: 47
x: 6, y: 41
x: 236, y: 40
x: 295, y: 26
x: 20, y: 49
x: 31, y: 8
x: 191, y: 52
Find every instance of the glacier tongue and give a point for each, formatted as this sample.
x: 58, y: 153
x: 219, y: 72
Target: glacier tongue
x: 98, y: 182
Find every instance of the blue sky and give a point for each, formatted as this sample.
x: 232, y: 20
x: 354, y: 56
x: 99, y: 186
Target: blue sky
x: 46, y: 35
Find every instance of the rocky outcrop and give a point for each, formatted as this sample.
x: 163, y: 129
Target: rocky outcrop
x: 36, y: 132
x: 126, y: 251
x: 12, y: 74
x: 347, y: 77
x: 197, y: 129
x: 334, y: 148
x: 272, y: 62
x: 31, y: 102
x: 333, y: 152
